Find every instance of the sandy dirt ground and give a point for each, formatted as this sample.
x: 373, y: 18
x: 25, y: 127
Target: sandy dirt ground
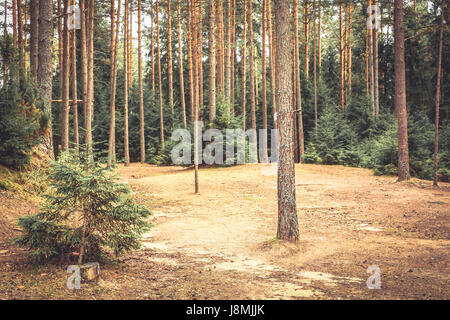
x: 220, y: 244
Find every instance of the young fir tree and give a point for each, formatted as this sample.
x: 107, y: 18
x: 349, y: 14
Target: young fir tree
x: 85, y: 212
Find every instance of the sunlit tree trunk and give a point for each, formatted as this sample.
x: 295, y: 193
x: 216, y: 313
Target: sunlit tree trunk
x: 264, y: 156
x: 169, y: 65
x: 194, y: 30
x: 315, y: 64
x: 152, y: 51
x: 180, y: 62
x: 130, y: 45
x: 220, y: 50
x: 349, y: 50
x: 319, y: 41
x: 371, y: 66
x: 244, y: 67
x: 252, y: 75
x: 272, y: 63
x: 306, y: 38
x: 298, y: 95
x: 375, y: 65
x: 84, y: 68
x: 90, y: 39
x: 20, y: 28
x: 438, y: 95
x: 76, y: 137
x: 161, y: 114
x: 233, y: 56
x: 341, y: 57
x: 65, y: 83
x: 212, y: 61
x: 287, y: 208
x: 141, y: 89
x: 113, y: 84
x: 45, y: 66
x: 400, y: 92
x: 125, y: 84
x: 200, y: 53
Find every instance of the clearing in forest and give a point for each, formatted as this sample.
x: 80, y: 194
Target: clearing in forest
x: 219, y: 244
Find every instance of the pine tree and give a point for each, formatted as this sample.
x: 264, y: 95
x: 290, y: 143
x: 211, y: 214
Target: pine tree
x: 400, y: 92
x: 287, y: 209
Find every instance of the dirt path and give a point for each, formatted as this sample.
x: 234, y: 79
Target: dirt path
x: 349, y: 219
x: 220, y: 243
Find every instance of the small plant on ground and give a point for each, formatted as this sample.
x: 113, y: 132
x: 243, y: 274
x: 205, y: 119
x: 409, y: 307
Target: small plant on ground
x: 85, y: 213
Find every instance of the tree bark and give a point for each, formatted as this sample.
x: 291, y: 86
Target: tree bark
x: 84, y: 69
x: 74, y: 82
x: 315, y: 64
x: 141, y: 89
x: 298, y: 97
x: 264, y: 156
x: 349, y: 49
x: 341, y: 58
x: 161, y: 114
x: 400, y: 92
x: 169, y: 64
x: 287, y: 209
x: 152, y: 52
x: 375, y: 66
x: 45, y: 66
x: 438, y: 95
x: 252, y: 78
x: 35, y: 25
x: 244, y: 67
x: 306, y: 40
x: 90, y: 52
x: 212, y: 61
x: 319, y: 43
x: 371, y: 67
x: 113, y: 83
x: 125, y: 84
x: 220, y: 50
x: 180, y: 62
x: 190, y: 61
x: 272, y: 63
x: 228, y: 54
x: 34, y: 36
x: 65, y: 83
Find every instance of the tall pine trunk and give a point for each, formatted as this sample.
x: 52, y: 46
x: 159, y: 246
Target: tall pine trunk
x: 65, y: 83
x: 76, y: 137
x: 212, y: 61
x: 400, y: 92
x: 45, y: 66
x: 169, y: 64
x: 161, y: 114
x: 113, y: 83
x: 252, y: 79
x: 34, y: 37
x: 298, y: 95
x: 244, y: 67
x: 125, y: 84
x: 141, y: 89
x: 180, y: 67
x: 438, y: 95
x: 264, y: 156
x: 287, y: 208
x: 272, y: 63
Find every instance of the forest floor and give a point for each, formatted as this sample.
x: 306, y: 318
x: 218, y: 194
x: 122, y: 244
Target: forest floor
x: 220, y: 244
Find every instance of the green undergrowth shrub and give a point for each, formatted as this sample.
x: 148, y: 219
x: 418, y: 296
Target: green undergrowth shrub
x: 84, y: 207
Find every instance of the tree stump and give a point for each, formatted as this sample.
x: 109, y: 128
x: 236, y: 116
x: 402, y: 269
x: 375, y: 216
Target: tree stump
x: 90, y: 271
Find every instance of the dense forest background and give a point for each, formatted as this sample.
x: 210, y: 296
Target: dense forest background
x: 350, y: 134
